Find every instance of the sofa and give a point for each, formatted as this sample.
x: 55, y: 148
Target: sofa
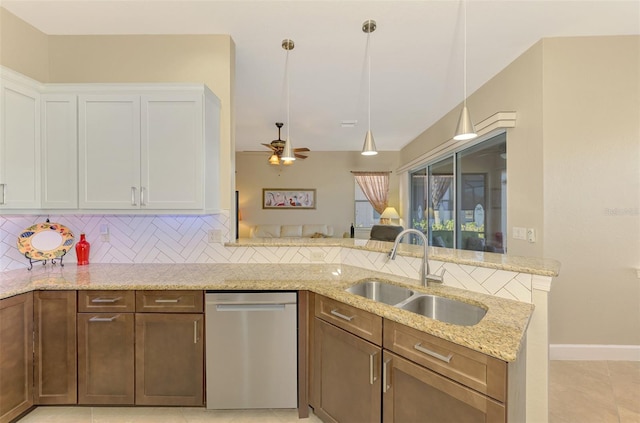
x: 292, y: 231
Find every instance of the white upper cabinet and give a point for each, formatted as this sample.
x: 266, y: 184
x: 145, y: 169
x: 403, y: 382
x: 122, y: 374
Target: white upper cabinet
x: 59, y: 131
x: 149, y: 150
x: 109, y: 151
x: 108, y: 148
x: 19, y: 143
x: 172, y: 151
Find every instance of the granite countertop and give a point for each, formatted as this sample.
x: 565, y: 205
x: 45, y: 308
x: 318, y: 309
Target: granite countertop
x: 499, y: 334
x: 532, y: 265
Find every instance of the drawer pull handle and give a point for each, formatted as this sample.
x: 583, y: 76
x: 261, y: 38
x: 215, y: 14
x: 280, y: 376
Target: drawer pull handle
x: 342, y: 316
x: 385, y: 377
x: 142, y: 203
x: 195, y: 332
x: 106, y: 300
x: 4, y: 192
x: 133, y: 196
x: 168, y: 301
x: 103, y: 319
x: 433, y: 354
x: 372, y: 376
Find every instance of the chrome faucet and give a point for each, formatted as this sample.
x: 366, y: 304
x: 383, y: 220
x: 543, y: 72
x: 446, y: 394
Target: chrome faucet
x: 426, y: 277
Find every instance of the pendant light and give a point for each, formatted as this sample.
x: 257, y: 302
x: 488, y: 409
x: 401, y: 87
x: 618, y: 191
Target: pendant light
x: 369, y: 148
x: 287, y: 152
x: 465, y: 129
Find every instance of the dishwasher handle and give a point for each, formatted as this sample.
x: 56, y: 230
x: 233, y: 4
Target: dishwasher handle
x: 250, y: 307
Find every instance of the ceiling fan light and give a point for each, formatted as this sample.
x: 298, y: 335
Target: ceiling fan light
x: 274, y: 159
x: 465, y: 130
x: 369, y: 148
x: 287, y: 162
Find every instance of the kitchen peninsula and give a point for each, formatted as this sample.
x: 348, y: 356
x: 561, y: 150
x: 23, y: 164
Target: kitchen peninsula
x: 500, y: 335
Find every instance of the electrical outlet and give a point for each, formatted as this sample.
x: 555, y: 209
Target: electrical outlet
x: 215, y: 235
x: 317, y: 256
x: 531, y: 235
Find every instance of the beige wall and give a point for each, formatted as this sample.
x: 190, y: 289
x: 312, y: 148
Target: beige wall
x: 23, y: 48
x: 592, y: 187
x: 328, y: 172
x: 517, y: 88
x: 573, y: 175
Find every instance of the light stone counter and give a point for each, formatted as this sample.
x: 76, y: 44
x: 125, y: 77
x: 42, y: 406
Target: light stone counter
x: 531, y: 265
x: 499, y: 334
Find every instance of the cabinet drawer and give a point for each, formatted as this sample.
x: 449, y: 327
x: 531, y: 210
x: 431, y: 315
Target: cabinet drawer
x: 359, y: 322
x: 478, y: 371
x: 106, y: 301
x: 169, y: 301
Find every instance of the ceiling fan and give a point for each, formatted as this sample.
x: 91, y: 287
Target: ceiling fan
x: 277, y: 146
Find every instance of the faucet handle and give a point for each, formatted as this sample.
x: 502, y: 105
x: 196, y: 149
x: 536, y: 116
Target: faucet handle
x: 435, y: 278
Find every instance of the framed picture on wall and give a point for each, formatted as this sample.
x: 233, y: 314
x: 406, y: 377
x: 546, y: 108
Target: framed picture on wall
x: 288, y: 198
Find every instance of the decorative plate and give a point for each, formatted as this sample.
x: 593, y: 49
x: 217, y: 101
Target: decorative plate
x: 45, y: 241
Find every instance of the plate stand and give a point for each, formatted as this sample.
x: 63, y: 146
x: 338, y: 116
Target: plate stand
x: 44, y: 262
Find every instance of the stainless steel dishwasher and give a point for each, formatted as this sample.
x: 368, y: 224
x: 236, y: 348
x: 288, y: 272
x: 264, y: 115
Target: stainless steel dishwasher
x: 251, y: 350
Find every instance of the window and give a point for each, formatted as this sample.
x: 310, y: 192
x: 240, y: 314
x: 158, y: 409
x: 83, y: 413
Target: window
x: 366, y: 216
x: 459, y: 201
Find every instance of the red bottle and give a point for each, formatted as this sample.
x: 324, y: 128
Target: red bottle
x: 82, y: 251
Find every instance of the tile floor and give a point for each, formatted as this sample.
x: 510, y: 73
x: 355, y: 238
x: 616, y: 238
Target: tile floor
x: 594, y: 392
x: 579, y: 392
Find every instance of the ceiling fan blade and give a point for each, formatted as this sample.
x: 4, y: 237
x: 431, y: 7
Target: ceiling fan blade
x: 299, y: 156
x: 270, y: 146
x: 301, y: 149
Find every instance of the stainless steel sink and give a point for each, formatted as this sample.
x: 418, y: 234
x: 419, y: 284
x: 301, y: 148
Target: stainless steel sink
x: 445, y: 310
x: 381, y: 292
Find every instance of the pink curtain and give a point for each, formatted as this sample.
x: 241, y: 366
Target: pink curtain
x: 375, y: 186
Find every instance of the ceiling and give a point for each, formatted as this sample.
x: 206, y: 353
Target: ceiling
x: 416, y: 54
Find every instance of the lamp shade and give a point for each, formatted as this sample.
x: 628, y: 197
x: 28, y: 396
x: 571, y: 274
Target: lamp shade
x: 274, y: 159
x: 390, y: 213
x: 465, y: 129
x: 369, y: 148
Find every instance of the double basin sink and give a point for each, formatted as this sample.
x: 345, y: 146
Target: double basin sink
x: 433, y: 306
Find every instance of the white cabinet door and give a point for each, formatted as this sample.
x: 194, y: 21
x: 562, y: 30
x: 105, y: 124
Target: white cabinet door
x: 109, y: 151
x: 59, y: 151
x: 19, y: 146
x: 172, y: 153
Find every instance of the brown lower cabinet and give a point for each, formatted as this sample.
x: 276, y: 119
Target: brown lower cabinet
x: 368, y: 370
x: 106, y: 373
x: 346, y: 376
x: 16, y: 356
x: 169, y: 359
x: 143, y: 358
x: 55, y: 375
x: 412, y: 393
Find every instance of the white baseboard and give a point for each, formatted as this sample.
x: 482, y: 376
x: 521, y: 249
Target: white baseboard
x: 594, y: 352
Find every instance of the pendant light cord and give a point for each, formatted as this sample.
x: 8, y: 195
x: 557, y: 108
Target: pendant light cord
x: 369, y: 79
x: 287, y: 72
x: 464, y: 60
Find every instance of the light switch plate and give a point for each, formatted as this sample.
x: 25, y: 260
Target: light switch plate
x: 519, y: 233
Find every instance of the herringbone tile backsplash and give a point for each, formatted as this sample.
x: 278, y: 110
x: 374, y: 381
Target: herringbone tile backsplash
x: 185, y: 239
x: 132, y: 238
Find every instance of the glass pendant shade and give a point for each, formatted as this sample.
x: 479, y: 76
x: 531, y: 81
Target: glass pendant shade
x: 287, y: 152
x: 369, y: 148
x: 465, y: 129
